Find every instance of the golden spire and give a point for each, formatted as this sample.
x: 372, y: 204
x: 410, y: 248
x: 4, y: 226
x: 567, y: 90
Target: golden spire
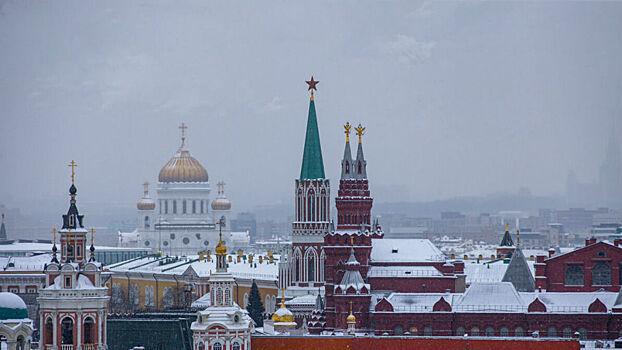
x: 282, y: 298
x: 347, y: 132
x: 221, y: 249
x: 68, y: 236
x: 360, y: 131
x: 54, y: 235
x: 73, y: 173
x: 183, y: 128
x: 92, y: 236
x: 352, y: 243
x: 507, y: 226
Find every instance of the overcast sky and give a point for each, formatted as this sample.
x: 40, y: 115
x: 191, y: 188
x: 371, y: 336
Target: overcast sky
x: 459, y: 98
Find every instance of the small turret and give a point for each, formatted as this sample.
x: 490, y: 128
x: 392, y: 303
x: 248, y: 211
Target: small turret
x: 361, y: 163
x: 347, y: 171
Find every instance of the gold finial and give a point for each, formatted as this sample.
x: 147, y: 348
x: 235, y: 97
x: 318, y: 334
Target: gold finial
x: 183, y: 128
x: 282, y: 298
x: 352, y: 243
x: 221, y: 187
x: 73, y: 173
x: 507, y: 226
x: 347, y: 132
x: 221, y: 249
x: 92, y: 236
x: 360, y: 131
x: 146, y: 188
x: 68, y: 236
x: 351, y: 318
x: 54, y: 235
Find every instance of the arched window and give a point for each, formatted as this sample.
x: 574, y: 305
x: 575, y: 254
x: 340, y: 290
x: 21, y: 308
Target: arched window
x: 227, y: 296
x: 217, y: 346
x: 347, y: 167
x: 360, y: 168
x: 67, y: 331
x: 518, y: 332
x: 245, y: 300
x: 183, y: 206
x: 460, y: 331
x: 219, y: 296
x: 311, y: 207
x: 194, y: 207
x: 267, y: 303
x: 504, y: 332
x: 574, y: 275
x: 235, y: 346
x: 490, y: 332
x: 49, y: 332
x: 567, y: 332
x: 552, y: 332
x: 20, y: 344
x: 398, y: 330
x: 601, y: 274
x: 475, y: 331
x: 147, y: 225
x: 201, y: 346
x: 311, y: 268
x: 89, y: 331
x: 427, y: 331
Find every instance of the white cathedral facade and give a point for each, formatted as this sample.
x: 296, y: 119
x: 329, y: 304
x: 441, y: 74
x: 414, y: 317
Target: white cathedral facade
x: 182, y: 219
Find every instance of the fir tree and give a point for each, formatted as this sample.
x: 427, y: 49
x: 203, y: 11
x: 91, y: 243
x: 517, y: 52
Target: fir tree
x: 255, y: 307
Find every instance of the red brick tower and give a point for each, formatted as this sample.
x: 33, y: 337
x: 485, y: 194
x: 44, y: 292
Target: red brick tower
x: 348, y: 248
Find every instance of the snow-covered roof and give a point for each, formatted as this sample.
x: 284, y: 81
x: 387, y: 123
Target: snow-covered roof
x: 491, y: 271
x: 202, y: 302
x: 403, y: 271
x: 25, y: 263
x: 404, y: 250
x: 308, y: 299
x: 499, y: 296
x: 204, y: 268
x: 11, y: 301
x: 416, y: 302
x: 570, y: 302
x: 82, y: 283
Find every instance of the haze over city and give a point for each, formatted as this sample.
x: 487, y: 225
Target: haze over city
x: 459, y: 98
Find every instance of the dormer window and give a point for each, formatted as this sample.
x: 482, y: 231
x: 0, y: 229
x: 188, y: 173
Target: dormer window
x: 601, y: 253
x: 72, y: 220
x: 67, y: 281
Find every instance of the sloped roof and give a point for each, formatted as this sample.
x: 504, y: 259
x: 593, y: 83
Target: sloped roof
x: 519, y: 274
x: 405, y: 250
x: 312, y: 163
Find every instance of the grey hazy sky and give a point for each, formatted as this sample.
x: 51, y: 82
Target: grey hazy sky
x: 458, y: 98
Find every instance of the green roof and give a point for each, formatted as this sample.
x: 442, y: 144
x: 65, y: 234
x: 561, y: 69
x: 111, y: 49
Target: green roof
x: 312, y: 163
x: 12, y: 314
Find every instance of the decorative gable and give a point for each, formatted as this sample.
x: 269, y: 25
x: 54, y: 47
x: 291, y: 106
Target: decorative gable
x: 536, y: 306
x: 597, y: 306
x: 384, y: 305
x: 442, y: 305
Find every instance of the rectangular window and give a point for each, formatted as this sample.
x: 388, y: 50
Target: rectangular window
x: 160, y: 206
x: 79, y: 251
x: 67, y: 281
x: 174, y: 207
x: 31, y: 289
x: 14, y: 289
x: 183, y: 206
x: 201, y: 206
x: 165, y: 207
x: 194, y: 207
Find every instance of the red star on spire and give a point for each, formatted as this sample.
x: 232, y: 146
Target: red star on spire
x: 312, y: 84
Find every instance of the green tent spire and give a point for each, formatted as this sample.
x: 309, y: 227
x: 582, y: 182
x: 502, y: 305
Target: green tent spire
x: 312, y: 163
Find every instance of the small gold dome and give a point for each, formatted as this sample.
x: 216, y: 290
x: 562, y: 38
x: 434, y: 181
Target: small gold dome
x: 351, y: 318
x: 283, y: 315
x: 221, y: 204
x: 221, y: 249
x: 183, y: 168
x: 146, y: 203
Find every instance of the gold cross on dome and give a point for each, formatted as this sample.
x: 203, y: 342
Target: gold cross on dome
x: 183, y: 128
x: 73, y: 173
x: 92, y: 235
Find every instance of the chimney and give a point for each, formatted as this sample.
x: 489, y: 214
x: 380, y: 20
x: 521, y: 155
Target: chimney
x: 551, y: 252
x: 617, y: 242
x: 589, y: 241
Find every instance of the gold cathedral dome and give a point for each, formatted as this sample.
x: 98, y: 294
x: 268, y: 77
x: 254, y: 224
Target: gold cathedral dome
x: 183, y: 167
x: 221, y: 202
x: 146, y: 203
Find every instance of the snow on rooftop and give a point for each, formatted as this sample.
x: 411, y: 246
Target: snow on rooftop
x: 491, y: 271
x: 308, y: 299
x: 203, y: 302
x: 416, y: 301
x: 403, y: 271
x: 500, y: 296
x: 204, y: 268
x: 404, y: 250
x: 24, y: 263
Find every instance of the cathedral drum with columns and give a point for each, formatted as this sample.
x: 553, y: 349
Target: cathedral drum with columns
x: 182, y: 219
x: 74, y: 302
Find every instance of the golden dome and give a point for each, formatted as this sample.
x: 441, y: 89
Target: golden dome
x: 351, y: 318
x: 146, y: 203
x: 283, y: 316
x: 221, y: 202
x: 183, y: 168
x: 221, y: 249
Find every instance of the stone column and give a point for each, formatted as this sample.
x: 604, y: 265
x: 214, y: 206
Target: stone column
x: 79, y: 325
x: 54, y: 331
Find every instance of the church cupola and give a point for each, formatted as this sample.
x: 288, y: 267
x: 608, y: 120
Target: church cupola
x: 73, y: 234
